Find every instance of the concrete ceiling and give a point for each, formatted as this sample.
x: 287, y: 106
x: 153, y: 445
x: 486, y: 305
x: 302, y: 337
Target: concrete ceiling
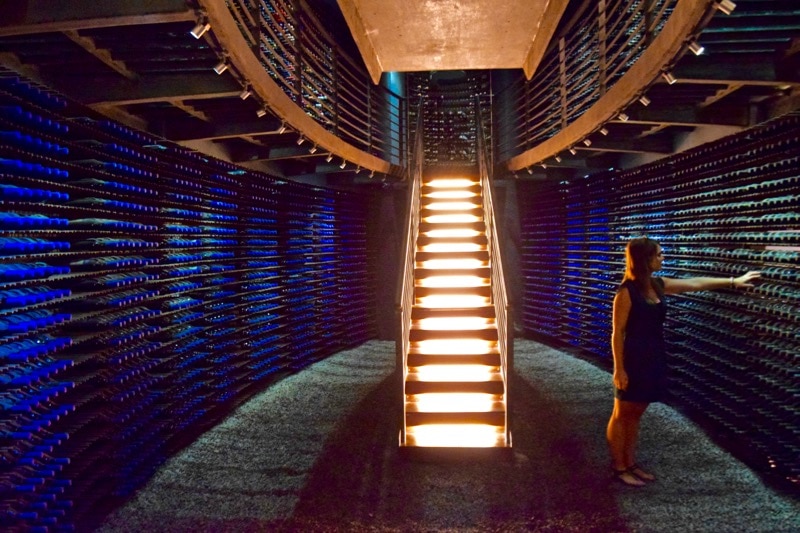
x: 434, y: 35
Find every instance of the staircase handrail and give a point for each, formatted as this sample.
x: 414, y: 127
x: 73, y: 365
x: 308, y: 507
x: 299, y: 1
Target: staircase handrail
x: 405, y: 296
x: 498, y: 284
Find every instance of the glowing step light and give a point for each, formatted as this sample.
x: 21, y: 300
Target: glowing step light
x: 454, y: 402
x: 453, y: 301
x: 453, y: 281
x: 456, y: 347
x: 457, y: 435
x: 454, y: 323
x: 455, y: 373
x: 451, y: 183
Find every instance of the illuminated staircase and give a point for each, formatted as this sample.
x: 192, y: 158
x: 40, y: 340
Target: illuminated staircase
x: 455, y: 368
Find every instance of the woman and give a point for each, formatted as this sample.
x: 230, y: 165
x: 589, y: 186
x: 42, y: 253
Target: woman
x: 637, y: 343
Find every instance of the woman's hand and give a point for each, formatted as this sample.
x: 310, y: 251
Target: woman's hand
x: 746, y: 279
x: 620, y: 379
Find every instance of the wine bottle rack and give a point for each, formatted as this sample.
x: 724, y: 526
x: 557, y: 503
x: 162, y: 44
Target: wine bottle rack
x: 145, y: 290
x: 718, y: 210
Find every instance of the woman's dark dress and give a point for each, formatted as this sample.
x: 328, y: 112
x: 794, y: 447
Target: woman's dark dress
x: 643, y: 354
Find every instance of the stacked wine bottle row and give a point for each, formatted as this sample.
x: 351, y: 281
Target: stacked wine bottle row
x: 145, y: 290
x: 718, y: 210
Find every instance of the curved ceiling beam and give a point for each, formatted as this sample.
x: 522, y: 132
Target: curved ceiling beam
x: 683, y: 22
x: 241, y: 57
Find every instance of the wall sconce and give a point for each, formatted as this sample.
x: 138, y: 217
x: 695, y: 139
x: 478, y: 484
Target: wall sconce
x: 344, y: 164
x: 668, y: 77
x: 246, y: 93
x: 200, y: 29
x: 696, y: 48
x: 623, y: 117
x: 726, y: 6
x: 261, y: 112
x: 329, y: 158
x: 603, y: 131
x: 221, y: 67
x: 587, y: 142
x: 313, y: 149
x: 573, y: 151
x: 644, y: 100
x: 281, y: 128
x: 300, y: 140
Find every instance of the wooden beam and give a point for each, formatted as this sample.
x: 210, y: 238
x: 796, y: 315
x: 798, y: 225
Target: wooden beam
x: 22, y: 17
x: 542, y: 36
x: 362, y: 40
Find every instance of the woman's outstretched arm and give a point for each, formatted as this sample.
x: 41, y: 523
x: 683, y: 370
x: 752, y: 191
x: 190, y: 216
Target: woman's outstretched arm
x: 679, y: 285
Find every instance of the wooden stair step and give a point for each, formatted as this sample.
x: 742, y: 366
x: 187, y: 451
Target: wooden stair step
x: 484, y: 311
x: 487, y: 334
x: 480, y: 255
x: 496, y: 416
x: 419, y: 359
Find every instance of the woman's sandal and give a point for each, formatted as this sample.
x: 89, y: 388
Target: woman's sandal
x: 627, y: 477
x: 642, y: 474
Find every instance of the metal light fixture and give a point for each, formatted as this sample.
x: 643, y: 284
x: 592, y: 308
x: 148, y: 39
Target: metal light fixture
x: 261, y: 112
x: 344, y: 164
x: 221, y: 67
x: 300, y: 140
x: 573, y: 151
x: 313, y: 149
x: 281, y: 128
x: 644, y: 100
x: 329, y: 158
x: 587, y: 142
x: 200, y: 29
x: 544, y: 166
x: 246, y: 93
x: 530, y: 170
x: 696, y: 48
x: 726, y: 6
x: 372, y: 174
x: 623, y: 117
x: 668, y: 77
x: 558, y: 159
x: 603, y: 131
x: 358, y: 170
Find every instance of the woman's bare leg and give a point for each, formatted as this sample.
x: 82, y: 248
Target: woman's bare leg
x: 622, y: 434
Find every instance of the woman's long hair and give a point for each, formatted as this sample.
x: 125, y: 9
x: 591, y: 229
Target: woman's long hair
x: 639, y: 254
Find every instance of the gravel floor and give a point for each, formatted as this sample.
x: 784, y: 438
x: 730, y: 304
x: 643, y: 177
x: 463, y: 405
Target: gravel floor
x: 318, y: 451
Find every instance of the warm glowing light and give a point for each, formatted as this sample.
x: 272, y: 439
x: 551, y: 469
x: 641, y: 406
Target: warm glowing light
x: 450, y: 183
x: 438, y: 233
x: 452, y: 247
x: 455, y: 346
x: 450, y: 323
x: 450, y: 264
x: 454, y: 402
x: 449, y: 219
x: 457, y: 435
x: 452, y: 301
x: 453, y: 281
x: 451, y: 373
x: 451, y: 206
x: 451, y: 194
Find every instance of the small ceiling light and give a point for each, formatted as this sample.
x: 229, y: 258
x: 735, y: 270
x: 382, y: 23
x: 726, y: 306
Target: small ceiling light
x: 696, y: 48
x: 344, y: 164
x: 558, y: 159
x: 313, y: 149
x: 300, y: 140
x: 281, y: 128
x: 603, y: 130
x: 221, y: 67
x: 572, y: 150
x: 668, y: 77
x: 544, y: 166
x: 246, y: 93
x: 726, y: 6
x: 623, y: 117
x: 329, y: 158
x: 358, y: 170
x: 587, y: 142
x: 530, y: 170
x: 644, y: 100
x: 372, y: 174
x: 200, y: 30
x: 261, y: 112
